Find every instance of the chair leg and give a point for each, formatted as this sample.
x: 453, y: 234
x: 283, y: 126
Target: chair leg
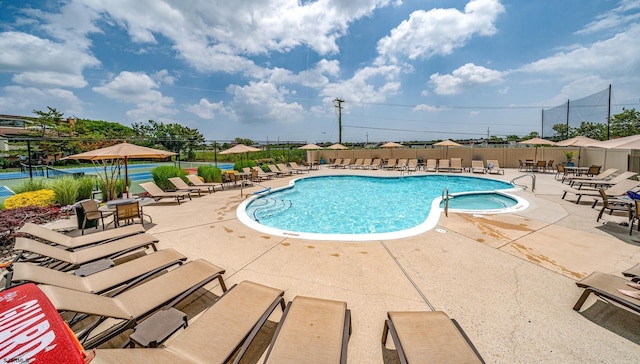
x: 600, y: 214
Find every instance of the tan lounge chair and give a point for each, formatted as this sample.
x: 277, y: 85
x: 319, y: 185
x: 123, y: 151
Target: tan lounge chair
x: 158, y: 194
x: 493, y: 167
x: 125, y: 274
x: 478, y: 167
x: 391, y: 163
x: 122, y: 312
x: 66, y: 241
x: 264, y: 175
x: 402, y: 164
x: 356, y: 164
x: 376, y: 164
x: 345, y: 163
x: 606, y: 174
x: 606, y: 286
x: 278, y: 172
x: 444, y: 165
x: 633, y: 271
x: 619, y: 189
x: 311, y: 330
x: 429, y: 337
x: 613, y: 206
x: 226, y: 328
x: 595, y: 183
x: 456, y: 165
x: 183, y: 186
x: 337, y: 162
x: 366, y: 163
x: 431, y: 165
x: 412, y: 165
x: 195, y: 180
x: 284, y: 168
x: 31, y: 250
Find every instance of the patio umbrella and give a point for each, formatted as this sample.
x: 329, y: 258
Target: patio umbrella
x: 536, y: 142
x: 121, y: 152
x: 308, y: 148
x: 337, y: 147
x: 628, y: 142
x: 240, y: 149
x: 392, y: 146
x: 579, y: 141
x: 447, y: 143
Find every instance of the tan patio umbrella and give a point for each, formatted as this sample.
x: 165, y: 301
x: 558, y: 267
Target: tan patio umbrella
x: 628, y: 142
x: 536, y: 142
x: 120, y: 153
x: 447, y: 143
x: 579, y: 141
x: 337, y: 147
x: 240, y: 149
x: 391, y: 145
x: 309, y: 148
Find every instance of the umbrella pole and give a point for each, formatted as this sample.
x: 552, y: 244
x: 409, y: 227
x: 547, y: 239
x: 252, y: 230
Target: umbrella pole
x: 126, y: 177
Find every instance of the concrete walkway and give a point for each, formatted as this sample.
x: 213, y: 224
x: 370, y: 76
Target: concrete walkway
x: 508, y: 279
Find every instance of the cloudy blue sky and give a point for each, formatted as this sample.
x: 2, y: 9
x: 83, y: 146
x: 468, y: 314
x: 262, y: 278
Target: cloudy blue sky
x: 270, y: 69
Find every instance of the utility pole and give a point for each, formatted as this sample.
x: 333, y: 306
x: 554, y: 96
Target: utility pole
x: 338, y: 104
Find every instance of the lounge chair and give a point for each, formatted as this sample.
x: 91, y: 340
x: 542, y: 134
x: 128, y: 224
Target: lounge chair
x: 195, y: 180
x: 431, y: 165
x: 284, y: 168
x: 264, y: 175
x: 226, y: 328
x: 376, y: 164
x: 633, y: 271
x: 606, y: 286
x: 456, y: 165
x: 345, y: 163
x: 391, y: 163
x: 401, y: 165
x: 601, y: 176
x: 619, y: 189
x: 31, y: 250
x: 366, y: 163
x: 278, y: 172
x: 131, y: 305
x: 183, y: 186
x: 478, y: 167
x: 493, y: 167
x: 158, y: 194
x: 444, y: 165
x: 337, y: 162
x: 595, y: 183
x: 429, y: 337
x: 613, y: 206
x: 412, y: 165
x: 68, y: 242
x: 128, y: 273
x: 91, y: 212
x: 561, y: 173
x: 311, y: 330
x: 356, y: 164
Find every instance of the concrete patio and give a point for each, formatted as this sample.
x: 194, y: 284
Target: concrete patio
x: 508, y: 279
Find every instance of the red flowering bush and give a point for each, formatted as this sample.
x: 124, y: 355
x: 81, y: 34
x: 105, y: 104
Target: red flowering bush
x: 13, y: 219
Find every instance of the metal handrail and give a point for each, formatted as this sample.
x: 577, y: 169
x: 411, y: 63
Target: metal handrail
x: 445, y: 198
x: 533, y: 181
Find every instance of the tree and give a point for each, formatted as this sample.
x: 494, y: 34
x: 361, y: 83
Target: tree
x: 244, y: 141
x: 626, y: 123
x: 561, y: 132
x: 174, y: 137
x: 49, y: 120
x: 592, y: 130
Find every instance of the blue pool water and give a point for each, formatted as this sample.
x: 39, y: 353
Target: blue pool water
x: 342, y: 207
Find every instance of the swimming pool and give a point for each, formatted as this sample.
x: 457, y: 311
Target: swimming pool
x: 360, y: 208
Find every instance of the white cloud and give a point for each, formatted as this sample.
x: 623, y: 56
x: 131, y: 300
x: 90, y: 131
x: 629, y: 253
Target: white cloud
x: 205, y: 109
x: 163, y: 77
x: 361, y: 88
x: 439, y: 31
x: 465, y: 77
x: 429, y: 108
x: 263, y: 103
x: 613, y: 19
x: 15, y: 99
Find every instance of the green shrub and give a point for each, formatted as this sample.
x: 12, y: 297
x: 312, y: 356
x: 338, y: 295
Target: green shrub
x: 243, y: 163
x: 210, y: 174
x: 119, y: 188
x: 162, y: 174
x: 43, y: 198
x: 66, y: 190
x: 30, y: 185
x: 86, y: 184
x: 4, y: 163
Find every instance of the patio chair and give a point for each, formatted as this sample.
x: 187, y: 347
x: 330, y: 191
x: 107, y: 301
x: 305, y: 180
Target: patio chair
x: 127, y: 213
x: 613, y: 206
x: 429, y: 337
x: 121, y: 313
x: 522, y: 166
x: 264, y: 175
x: 549, y: 166
x: 606, y: 287
x: 635, y: 215
x: 93, y: 213
x: 311, y: 330
x: 33, y: 251
x: 561, y: 173
x: 493, y: 167
x: 223, y: 331
x: 619, y: 189
x: 125, y: 274
x: 593, y: 170
x: 56, y: 238
x: 196, y: 181
x: 182, y: 186
x: 158, y: 194
x: 541, y: 166
x: 595, y: 183
x: 431, y: 166
x: 477, y: 167
x: 444, y: 165
x: 456, y: 165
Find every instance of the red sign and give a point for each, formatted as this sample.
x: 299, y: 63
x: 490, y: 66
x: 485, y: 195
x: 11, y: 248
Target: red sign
x: 32, y: 331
